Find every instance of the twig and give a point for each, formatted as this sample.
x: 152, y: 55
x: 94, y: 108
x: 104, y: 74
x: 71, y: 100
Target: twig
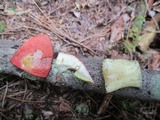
x: 15, y: 94
x: 112, y: 115
x: 119, y: 111
x: 152, y: 31
x: 3, y: 110
x: 5, y: 93
x: 25, y: 90
x: 102, y: 118
x: 41, y: 23
x: 60, y: 6
x: 28, y: 27
x: 102, y: 33
x: 2, y: 115
x: 58, y: 31
x: 5, y: 33
x: 25, y: 100
x: 91, y: 98
x: 16, y: 83
x: 104, y: 104
x: 150, y: 3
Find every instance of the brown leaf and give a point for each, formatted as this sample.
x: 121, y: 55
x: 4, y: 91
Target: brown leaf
x: 148, y: 36
x: 64, y: 106
x: 156, y: 61
x: 116, y: 55
x: 116, y: 30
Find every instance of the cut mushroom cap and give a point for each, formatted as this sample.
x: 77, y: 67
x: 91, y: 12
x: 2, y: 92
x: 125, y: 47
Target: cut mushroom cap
x: 120, y: 73
x: 74, y: 63
x: 35, y: 56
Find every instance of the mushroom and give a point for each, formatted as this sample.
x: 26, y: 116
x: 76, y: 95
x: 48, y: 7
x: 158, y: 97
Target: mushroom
x: 121, y: 73
x: 73, y: 62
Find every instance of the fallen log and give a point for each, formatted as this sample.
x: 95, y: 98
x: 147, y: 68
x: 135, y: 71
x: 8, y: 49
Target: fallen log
x: 150, y: 90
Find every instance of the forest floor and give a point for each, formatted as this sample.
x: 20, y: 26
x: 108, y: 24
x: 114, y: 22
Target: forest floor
x: 105, y: 28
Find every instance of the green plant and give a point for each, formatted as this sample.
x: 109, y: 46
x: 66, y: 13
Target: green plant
x: 82, y: 109
x: 28, y: 114
x: 135, y: 31
x: 2, y: 26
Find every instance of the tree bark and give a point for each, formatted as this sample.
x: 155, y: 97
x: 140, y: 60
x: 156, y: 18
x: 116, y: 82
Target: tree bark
x: 150, y: 90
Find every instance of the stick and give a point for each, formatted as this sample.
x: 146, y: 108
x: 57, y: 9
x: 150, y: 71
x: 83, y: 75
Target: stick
x: 149, y: 92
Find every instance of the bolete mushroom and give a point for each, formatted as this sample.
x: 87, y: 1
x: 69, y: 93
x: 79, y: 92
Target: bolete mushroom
x: 121, y: 73
x: 35, y: 56
x: 73, y: 62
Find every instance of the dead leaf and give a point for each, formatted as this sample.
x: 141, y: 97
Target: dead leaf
x: 115, y: 55
x: 148, y: 34
x: 64, y: 106
x: 156, y: 61
x: 116, y: 30
x: 47, y: 113
x: 147, y: 37
x: 77, y: 14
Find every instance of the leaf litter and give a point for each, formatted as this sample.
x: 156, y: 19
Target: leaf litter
x: 78, y: 27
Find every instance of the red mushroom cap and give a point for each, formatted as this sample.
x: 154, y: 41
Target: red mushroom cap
x: 35, y: 56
